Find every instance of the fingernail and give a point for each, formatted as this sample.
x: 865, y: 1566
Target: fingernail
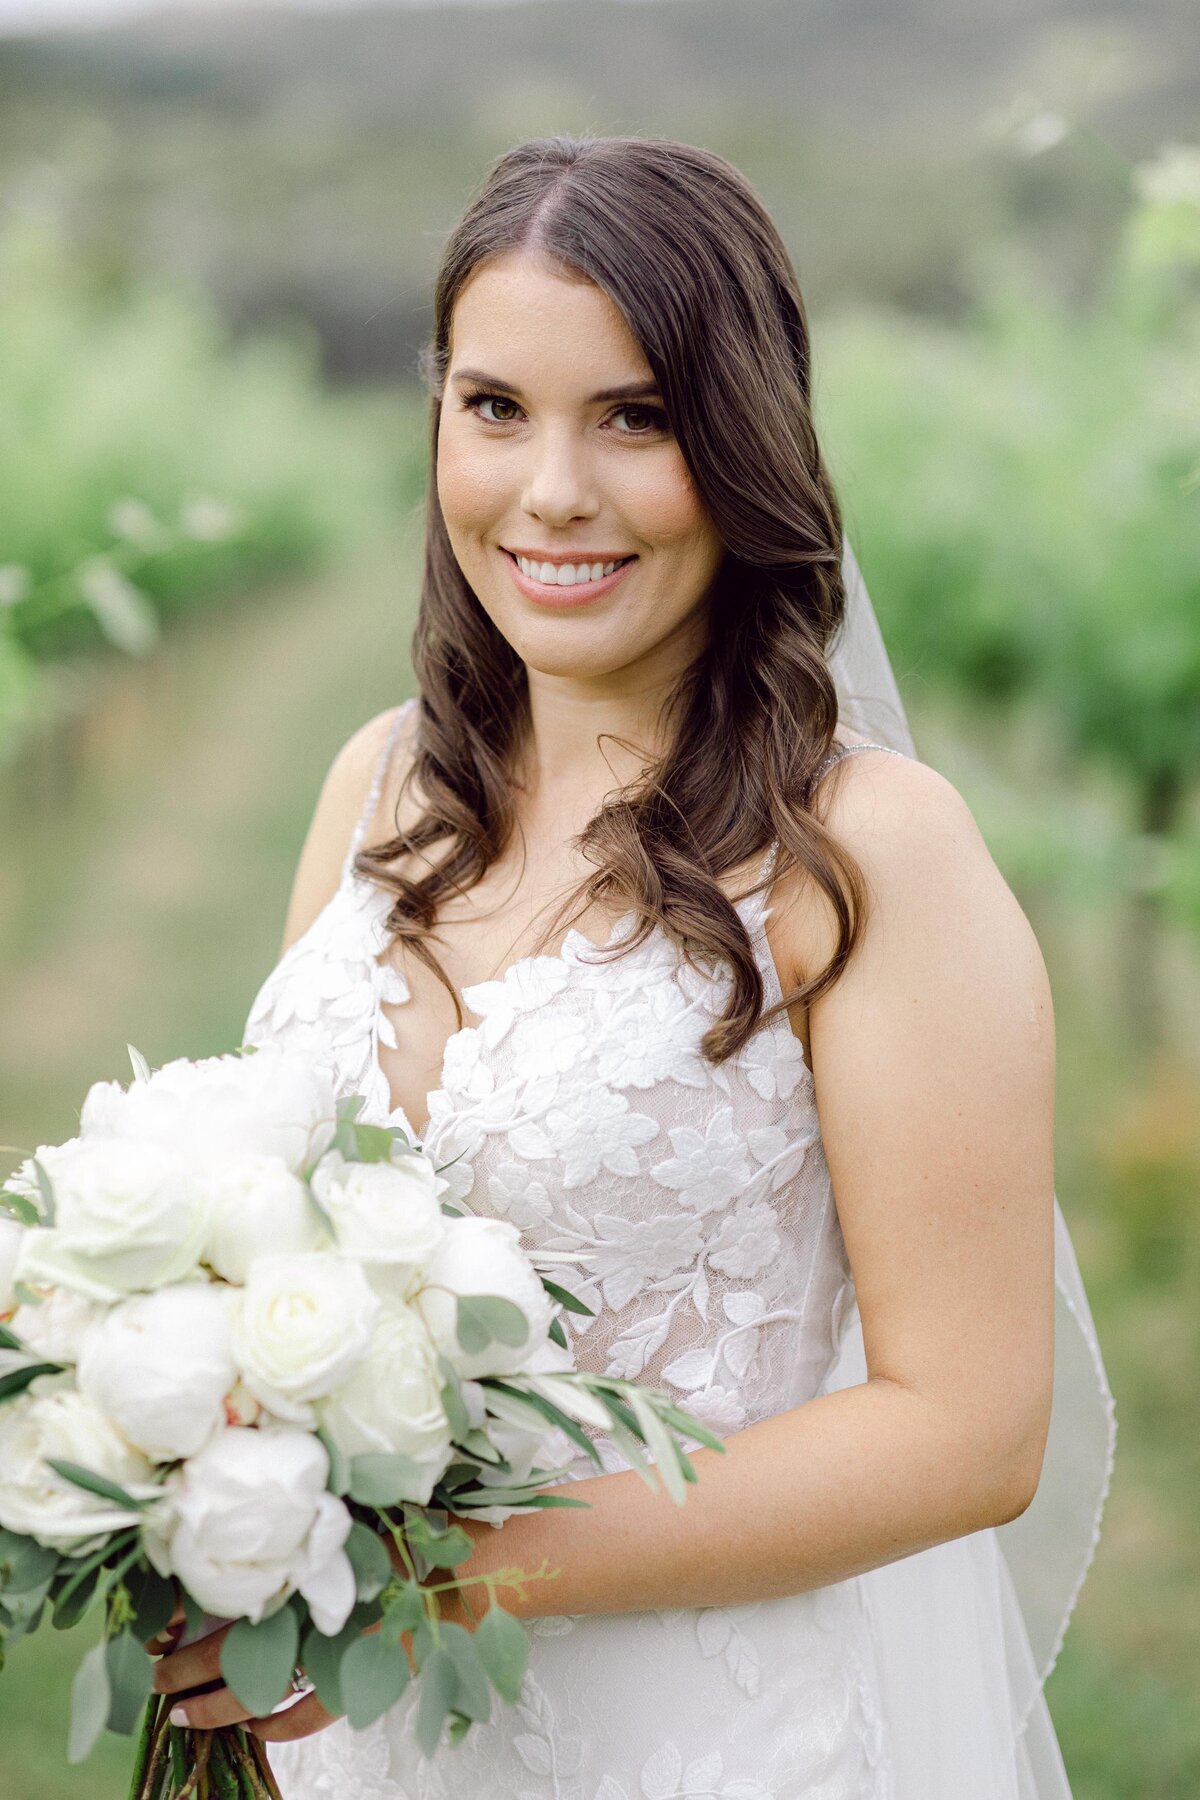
x: 179, y: 1715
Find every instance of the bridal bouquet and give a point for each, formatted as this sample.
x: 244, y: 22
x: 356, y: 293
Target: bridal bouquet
x: 251, y: 1365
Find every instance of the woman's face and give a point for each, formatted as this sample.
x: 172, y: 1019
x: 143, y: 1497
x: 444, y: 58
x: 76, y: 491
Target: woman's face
x: 553, y: 448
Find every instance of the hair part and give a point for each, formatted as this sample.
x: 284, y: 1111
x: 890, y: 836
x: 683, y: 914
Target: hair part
x: 679, y: 240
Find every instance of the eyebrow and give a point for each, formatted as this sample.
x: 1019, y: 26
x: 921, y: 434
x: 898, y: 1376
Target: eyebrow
x: 630, y: 390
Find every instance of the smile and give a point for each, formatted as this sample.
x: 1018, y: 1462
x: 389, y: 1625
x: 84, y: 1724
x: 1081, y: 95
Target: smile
x: 565, y: 584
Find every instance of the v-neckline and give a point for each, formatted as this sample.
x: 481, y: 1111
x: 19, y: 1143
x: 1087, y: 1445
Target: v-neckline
x: 396, y: 1114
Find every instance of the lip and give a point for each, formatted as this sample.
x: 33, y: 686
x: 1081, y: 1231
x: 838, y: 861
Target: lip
x: 549, y: 594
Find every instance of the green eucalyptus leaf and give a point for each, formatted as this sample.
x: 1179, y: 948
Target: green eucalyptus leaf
x: 470, y: 1329
x: 25, y: 1609
x: 404, y: 1611
x: 20, y: 1206
x: 452, y: 1399
x: 90, y: 1700
x: 322, y: 1661
x: 474, y: 1700
x: 372, y: 1143
x: 339, y: 1462
x: 130, y: 1677
x: 25, y: 1564
x: 46, y: 1189
x: 381, y: 1479
x: 374, y: 1675
x: 193, y: 1615
x: 503, y: 1650
x: 437, y: 1695
x: 153, y: 1598
x: 70, y: 1606
x: 445, y: 1549
x: 257, y: 1660
x: 492, y: 1318
x: 369, y: 1559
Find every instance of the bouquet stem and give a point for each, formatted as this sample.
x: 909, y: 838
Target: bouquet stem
x: 178, y: 1764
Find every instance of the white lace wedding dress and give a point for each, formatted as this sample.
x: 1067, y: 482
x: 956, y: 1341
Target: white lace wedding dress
x: 580, y: 1108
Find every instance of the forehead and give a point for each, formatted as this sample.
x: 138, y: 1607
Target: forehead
x: 523, y: 319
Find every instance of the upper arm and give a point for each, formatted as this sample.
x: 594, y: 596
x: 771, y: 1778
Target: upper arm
x: 933, y: 1060
x: 339, y: 806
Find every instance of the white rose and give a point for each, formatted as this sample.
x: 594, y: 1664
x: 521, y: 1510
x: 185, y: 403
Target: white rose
x: 482, y: 1256
x: 392, y: 1402
x: 160, y: 1366
x: 11, y: 1235
x: 34, y: 1499
x: 252, y: 1521
x: 384, y: 1212
x: 301, y: 1324
x: 212, y: 1110
x: 54, y: 1326
x: 127, y: 1216
x: 258, y: 1208
x: 24, y: 1179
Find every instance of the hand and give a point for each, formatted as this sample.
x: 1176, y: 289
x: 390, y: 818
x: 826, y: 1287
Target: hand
x: 198, y: 1667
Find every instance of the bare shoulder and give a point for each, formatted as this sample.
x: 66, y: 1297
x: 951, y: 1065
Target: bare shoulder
x: 339, y: 807
x: 933, y: 888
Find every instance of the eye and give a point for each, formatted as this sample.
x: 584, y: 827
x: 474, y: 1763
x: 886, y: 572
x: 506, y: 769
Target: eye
x: 475, y: 403
x: 654, y: 414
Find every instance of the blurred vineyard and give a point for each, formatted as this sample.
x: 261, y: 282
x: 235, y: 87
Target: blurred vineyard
x: 209, y: 562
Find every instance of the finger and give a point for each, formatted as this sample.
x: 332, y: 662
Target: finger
x: 301, y: 1720
x: 205, y: 1712
x: 194, y: 1664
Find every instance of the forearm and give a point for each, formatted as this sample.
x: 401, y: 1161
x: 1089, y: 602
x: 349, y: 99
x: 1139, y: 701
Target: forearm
x: 812, y: 1496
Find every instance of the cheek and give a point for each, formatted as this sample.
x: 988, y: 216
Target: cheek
x: 469, y: 491
x: 662, y: 504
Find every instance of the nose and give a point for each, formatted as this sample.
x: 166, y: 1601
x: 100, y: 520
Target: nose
x: 560, y: 485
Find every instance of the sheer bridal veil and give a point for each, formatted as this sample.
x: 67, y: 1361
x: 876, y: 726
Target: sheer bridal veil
x: 967, y: 1632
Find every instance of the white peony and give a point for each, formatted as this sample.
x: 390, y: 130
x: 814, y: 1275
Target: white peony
x: 258, y: 1208
x: 383, y: 1212
x: 127, y: 1216
x: 301, y: 1324
x: 34, y: 1499
x: 54, y: 1326
x: 252, y: 1521
x: 271, y: 1102
x: 482, y: 1256
x: 392, y: 1402
x: 11, y: 1234
x: 160, y: 1366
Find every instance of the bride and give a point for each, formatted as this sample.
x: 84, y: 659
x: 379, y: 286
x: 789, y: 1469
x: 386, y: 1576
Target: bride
x: 783, y: 1087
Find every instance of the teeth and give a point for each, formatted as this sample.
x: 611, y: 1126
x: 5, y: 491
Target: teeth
x: 564, y: 574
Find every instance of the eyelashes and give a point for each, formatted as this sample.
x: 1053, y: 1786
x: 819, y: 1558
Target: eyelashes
x: 473, y: 399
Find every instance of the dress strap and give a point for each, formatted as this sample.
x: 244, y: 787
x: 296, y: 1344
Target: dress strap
x: 841, y: 750
x: 767, y: 869
x: 376, y: 787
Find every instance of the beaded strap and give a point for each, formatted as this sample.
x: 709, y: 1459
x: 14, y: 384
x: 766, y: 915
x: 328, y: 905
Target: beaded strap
x: 372, y: 800
x: 835, y: 756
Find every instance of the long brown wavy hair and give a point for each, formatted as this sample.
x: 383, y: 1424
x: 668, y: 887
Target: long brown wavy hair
x: 679, y: 240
